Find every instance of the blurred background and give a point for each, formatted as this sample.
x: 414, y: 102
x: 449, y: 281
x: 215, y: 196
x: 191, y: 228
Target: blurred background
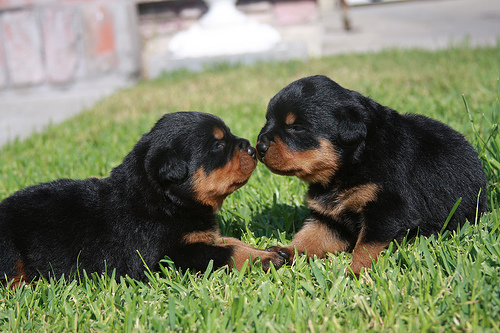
x: 58, y: 57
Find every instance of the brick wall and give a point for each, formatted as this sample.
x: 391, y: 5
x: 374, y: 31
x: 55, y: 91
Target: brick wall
x: 57, y: 42
x: 54, y: 43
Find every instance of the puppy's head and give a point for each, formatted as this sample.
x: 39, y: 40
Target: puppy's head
x: 193, y: 155
x: 313, y: 127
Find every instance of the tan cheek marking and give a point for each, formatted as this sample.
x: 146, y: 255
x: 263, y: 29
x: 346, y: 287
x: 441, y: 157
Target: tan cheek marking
x: 218, y: 133
x: 319, y: 165
x: 209, y: 190
x: 278, y: 156
x: 290, y: 119
x: 212, y: 189
x: 353, y: 199
x: 313, y: 166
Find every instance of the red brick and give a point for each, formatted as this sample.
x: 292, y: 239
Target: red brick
x: 60, y: 36
x: 13, y: 4
x: 6, y: 4
x: 295, y: 12
x: 99, y: 39
x: 23, y: 47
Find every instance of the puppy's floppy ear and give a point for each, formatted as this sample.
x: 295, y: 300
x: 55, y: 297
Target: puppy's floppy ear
x: 173, y: 170
x: 351, y: 127
x: 166, y: 166
x: 352, y: 130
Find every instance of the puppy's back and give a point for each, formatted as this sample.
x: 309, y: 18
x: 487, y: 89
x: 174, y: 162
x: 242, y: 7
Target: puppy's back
x: 450, y: 166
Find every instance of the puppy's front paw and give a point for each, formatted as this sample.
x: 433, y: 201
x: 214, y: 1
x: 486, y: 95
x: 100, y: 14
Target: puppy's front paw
x: 273, y: 257
x: 286, y: 252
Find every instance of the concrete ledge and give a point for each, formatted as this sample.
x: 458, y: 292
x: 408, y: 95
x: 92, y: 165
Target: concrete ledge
x: 282, y: 52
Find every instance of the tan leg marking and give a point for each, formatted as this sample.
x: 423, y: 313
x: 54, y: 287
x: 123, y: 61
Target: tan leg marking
x: 20, y: 278
x: 315, y: 239
x: 205, y: 237
x: 241, y: 250
x: 364, y: 253
x: 353, y: 199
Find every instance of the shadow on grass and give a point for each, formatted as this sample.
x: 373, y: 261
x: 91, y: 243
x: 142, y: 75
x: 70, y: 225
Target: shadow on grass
x: 269, y: 221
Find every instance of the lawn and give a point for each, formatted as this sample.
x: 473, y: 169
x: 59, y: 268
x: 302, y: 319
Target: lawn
x: 438, y: 284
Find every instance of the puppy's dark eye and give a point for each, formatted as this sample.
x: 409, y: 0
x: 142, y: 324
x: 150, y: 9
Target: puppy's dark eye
x: 296, y: 128
x: 217, y: 146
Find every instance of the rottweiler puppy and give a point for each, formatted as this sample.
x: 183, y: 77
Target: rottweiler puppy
x: 374, y: 175
x: 160, y: 201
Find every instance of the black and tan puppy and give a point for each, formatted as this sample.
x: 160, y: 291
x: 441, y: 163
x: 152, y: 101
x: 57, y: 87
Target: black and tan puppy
x: 374, y: 175
x: 159, y: 202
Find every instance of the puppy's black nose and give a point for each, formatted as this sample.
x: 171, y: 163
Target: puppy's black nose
x: 244, y: 145
x: 262, y: 149
x: 251, y: 151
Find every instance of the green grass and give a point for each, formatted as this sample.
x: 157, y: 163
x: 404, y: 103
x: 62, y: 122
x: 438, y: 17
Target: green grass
x: 438, y: 284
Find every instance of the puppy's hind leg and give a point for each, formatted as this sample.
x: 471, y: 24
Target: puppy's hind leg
x: 16, y: 276
x: 11, y: 264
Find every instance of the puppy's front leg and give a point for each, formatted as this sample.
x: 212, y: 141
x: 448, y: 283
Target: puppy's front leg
x: 243, y: 252
x: 224, y: 251
x: 314, y: 239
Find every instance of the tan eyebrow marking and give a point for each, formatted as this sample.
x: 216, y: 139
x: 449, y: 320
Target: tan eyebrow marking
x: 290, y: 118
x: 218, y: 133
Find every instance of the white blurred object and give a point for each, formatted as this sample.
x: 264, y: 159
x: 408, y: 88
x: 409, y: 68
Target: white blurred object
x: 224, y: 30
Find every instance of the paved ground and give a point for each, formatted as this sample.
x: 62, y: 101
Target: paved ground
x: 425, y: 23
x: 22, y: 112
x: 429, y: 24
